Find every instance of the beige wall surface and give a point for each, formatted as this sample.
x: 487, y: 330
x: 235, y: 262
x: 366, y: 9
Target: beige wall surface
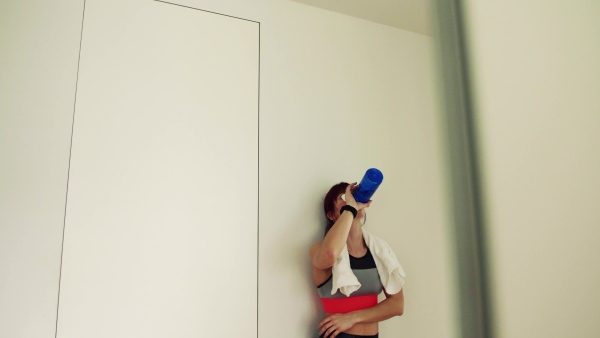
x: 166, y: 128
x: 536, y: 80
x: 337, y: 95
x: 347, y: 95
x: 39, y: 41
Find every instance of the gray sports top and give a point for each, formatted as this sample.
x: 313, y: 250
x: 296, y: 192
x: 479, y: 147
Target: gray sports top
x: 365, y: 271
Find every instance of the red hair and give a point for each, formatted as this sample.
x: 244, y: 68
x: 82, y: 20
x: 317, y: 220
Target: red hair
x: 329, y: 202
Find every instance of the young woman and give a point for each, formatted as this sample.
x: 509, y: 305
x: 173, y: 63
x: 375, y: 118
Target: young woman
x: 358, y: 314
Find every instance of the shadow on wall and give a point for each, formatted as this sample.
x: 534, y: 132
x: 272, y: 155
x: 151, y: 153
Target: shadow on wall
x: 317, y: 314
x: 291, y: 259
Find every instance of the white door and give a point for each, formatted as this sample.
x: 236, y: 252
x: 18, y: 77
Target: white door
x: 162, y: 207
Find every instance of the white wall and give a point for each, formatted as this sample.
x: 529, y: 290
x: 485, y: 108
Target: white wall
x: 39, y: 42
x: 346, y: 95
x: 338, y: 95
x: 536, y: 78
x: 163, y: 175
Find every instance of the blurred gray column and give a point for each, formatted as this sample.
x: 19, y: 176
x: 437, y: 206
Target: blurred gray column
x: 463, y: 174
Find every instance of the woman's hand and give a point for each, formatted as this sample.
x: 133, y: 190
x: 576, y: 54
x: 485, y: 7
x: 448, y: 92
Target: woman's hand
x: 334, y: 324
x: 350, y: 189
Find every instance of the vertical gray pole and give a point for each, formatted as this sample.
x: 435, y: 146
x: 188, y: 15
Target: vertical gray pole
x: 463, y: 175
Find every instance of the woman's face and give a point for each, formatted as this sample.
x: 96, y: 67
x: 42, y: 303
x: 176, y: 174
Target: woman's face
x: 339, y: 203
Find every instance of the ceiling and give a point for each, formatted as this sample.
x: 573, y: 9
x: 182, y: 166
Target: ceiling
x: 410, y: 15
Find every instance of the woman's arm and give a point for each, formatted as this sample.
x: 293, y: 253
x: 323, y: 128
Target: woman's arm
x: 324, y: 254
x: 392, y: 306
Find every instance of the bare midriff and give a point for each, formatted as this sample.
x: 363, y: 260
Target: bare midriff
x: 361, y: 329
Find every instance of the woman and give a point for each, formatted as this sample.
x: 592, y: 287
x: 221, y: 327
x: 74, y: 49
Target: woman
x: 358, y: 314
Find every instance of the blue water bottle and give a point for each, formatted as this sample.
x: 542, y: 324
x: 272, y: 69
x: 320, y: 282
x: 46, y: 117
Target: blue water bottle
x: 367, y: 186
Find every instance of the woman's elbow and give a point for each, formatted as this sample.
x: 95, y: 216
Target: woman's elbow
x: 399, y: 308
x: 325, y: 259
x: 329, y: 257
x: 322, y: 257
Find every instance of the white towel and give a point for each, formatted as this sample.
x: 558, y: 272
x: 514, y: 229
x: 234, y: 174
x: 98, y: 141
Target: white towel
x: 389, y: 269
